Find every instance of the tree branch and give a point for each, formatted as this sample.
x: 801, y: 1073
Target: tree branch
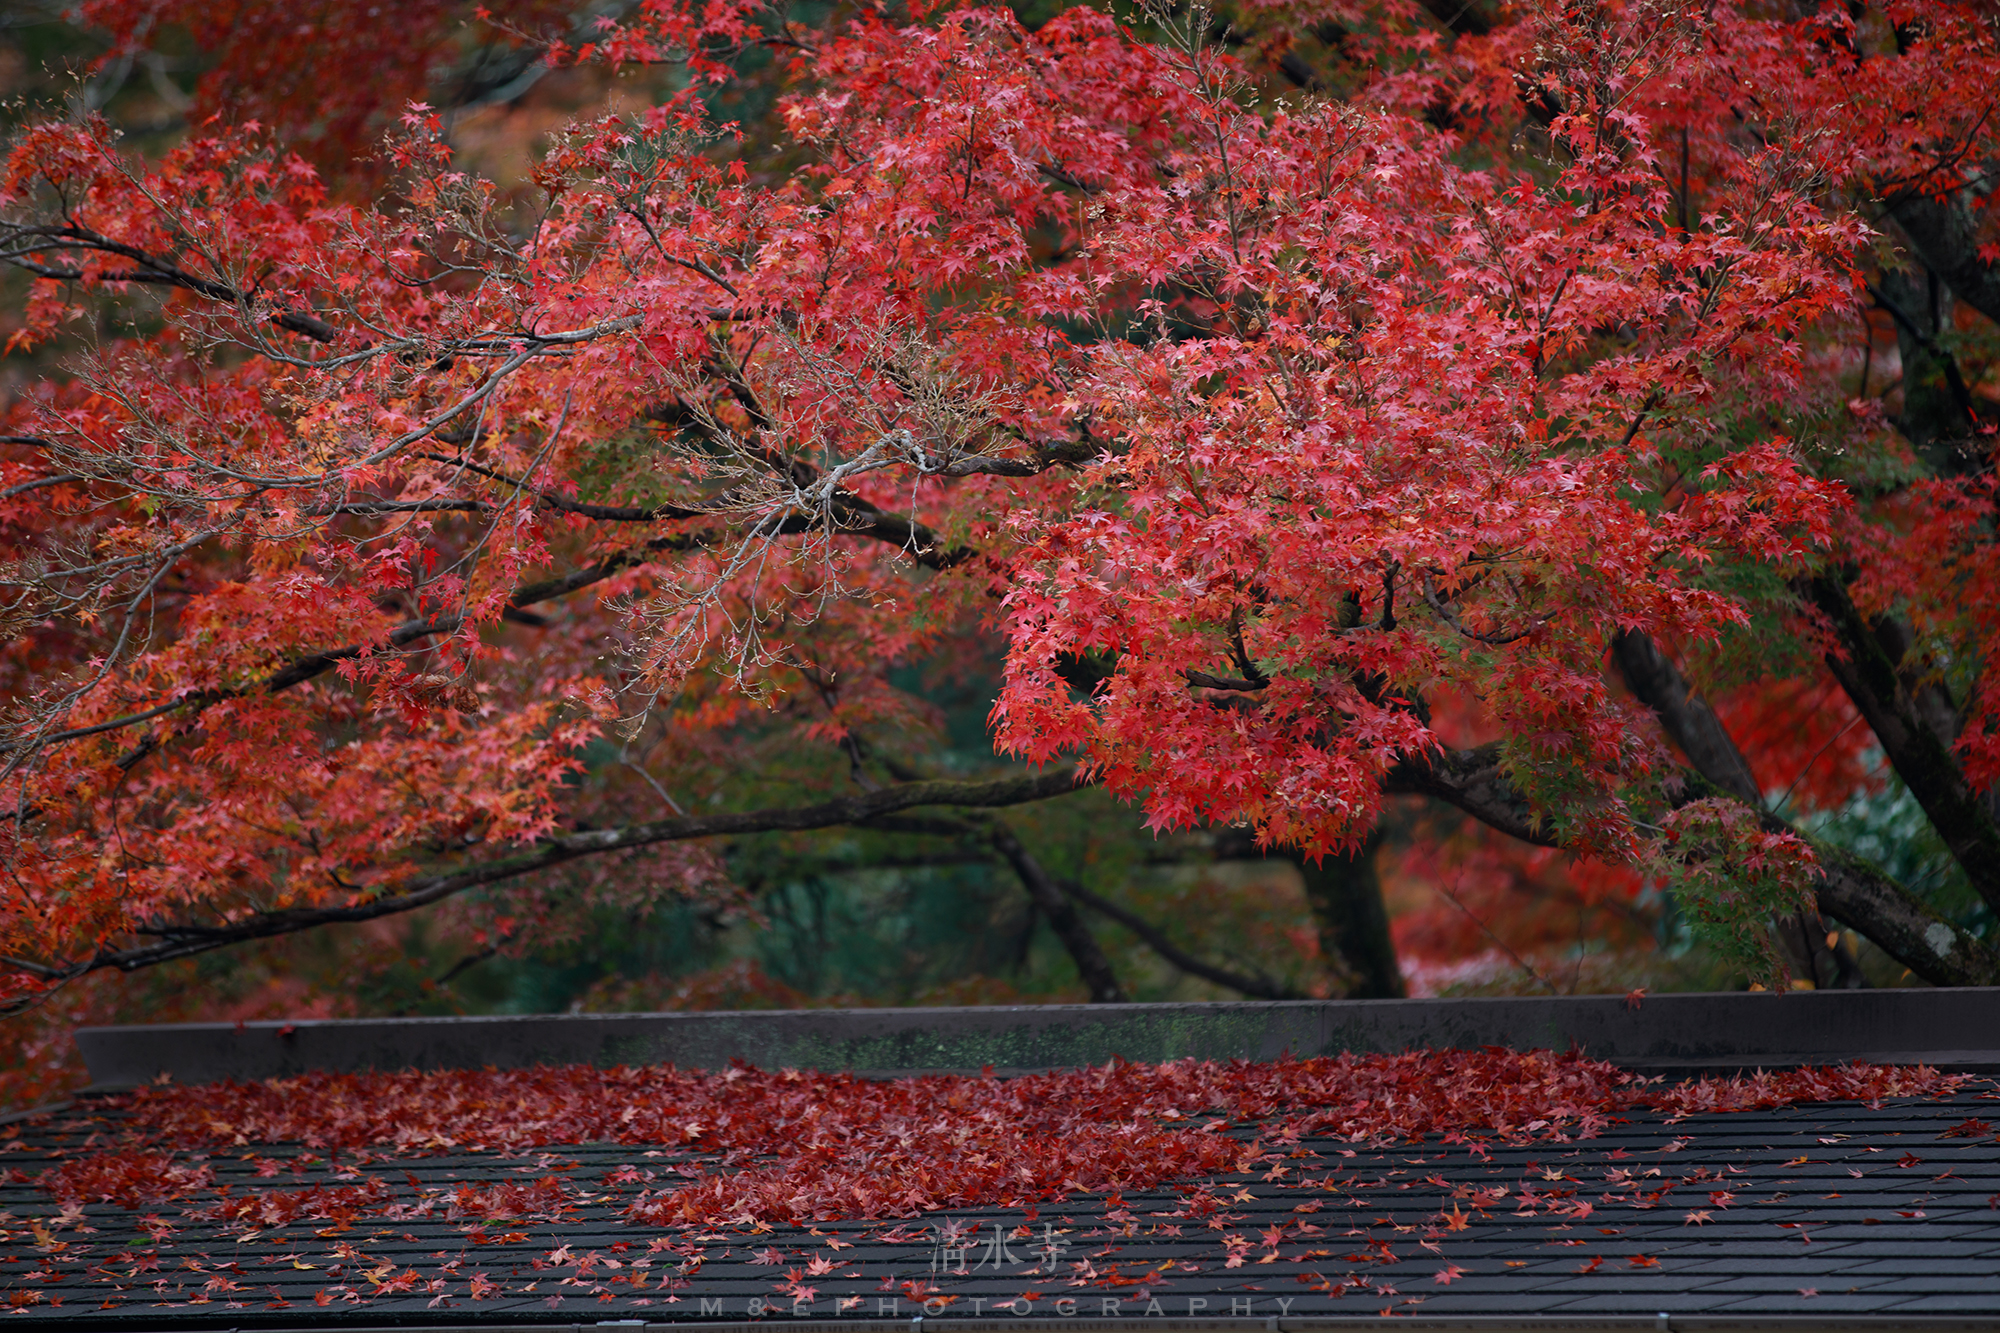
x: 1261, y: 988
x: 305, y: 668
x: 1895, y: 702
x: 1853, y: 890
x: 1954, y: 377
x: 1946, y: 239
x: 1848, y: 887
x: 1473, y: 781
x: 857, y: 517
x: 186, y: 940
x: 1209, y: 682
x: 1693, y: 726
x: 1068, y: 924
x: 1155, y: 939
x: 580, y: 508
x: 66, y: 479
x: 152, y: 270
x: 1686, y: 717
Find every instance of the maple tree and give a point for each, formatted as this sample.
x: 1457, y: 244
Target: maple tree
x: 1312, y: 405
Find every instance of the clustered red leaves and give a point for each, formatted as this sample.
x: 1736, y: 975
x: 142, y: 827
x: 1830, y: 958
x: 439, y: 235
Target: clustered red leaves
x: 508, y: 1199
x: 1066, y: 340
x: 273, y: 1208
x: 1766, y: 1089
x: 793, y: 1147
x: 128, y: 1179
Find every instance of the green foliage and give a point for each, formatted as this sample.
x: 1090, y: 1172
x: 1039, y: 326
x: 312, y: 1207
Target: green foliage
x: 866, y: 918
x: 1729, y: 879
x: 1890, y: 829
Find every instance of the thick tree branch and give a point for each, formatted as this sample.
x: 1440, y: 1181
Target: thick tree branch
x: 856, y: 518
x: 151, y: 269
x: 1852, y: 890
x: 1946, y: 239
x: 1262, y: 988
x: 1954, y: 377
x: 1473, y: 781
x: 854, y: 515
x: 1067, y: 453
x: 313, y: 664
x: 1685, y: 716
x: 1693, y: 726
x: 547, y: 590
x: 1064, y: 919
x: 1462, y: 17
x: 1209, y: 682
x: 1894, y: 698
x: 369, y: 508
x: 65, y: 479
x: 1849, y: 888
x: 186, y: 940
x: 1062, y: 177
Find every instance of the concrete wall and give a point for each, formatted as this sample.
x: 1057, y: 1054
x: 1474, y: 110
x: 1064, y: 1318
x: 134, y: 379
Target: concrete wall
x: 1670, y: 1034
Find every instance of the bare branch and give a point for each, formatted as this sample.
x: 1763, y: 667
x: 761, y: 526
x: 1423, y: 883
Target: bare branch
x: 66, y: 479
x: 369, y: 507
x: 562, y: 503
x: 1208, y: 682
x: 1260, y: 987
x: 1450, y: 617
x: 152, y: 270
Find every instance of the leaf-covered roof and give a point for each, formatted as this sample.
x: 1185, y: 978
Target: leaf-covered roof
x: 1801, y: 1208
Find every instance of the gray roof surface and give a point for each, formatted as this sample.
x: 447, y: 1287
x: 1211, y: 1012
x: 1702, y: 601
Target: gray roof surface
x: 1805, y: 1217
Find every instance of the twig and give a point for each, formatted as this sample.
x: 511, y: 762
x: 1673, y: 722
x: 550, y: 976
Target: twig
x: 1451, y: 618
x: 1505, y: 948
x: 1814, y: 760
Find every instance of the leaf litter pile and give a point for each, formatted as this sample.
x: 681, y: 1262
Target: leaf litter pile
x: 745, y: 1148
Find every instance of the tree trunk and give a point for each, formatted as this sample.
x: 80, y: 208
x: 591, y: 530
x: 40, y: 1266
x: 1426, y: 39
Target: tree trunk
x: 1346, y: 897
x: 1936, y: 399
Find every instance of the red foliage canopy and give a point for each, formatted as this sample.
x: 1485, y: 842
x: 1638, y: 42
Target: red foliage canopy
x: 1515, y: 364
